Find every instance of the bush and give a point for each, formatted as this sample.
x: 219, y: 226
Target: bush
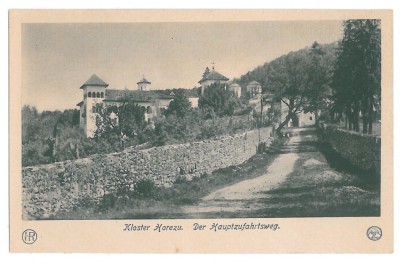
x: 145, y: 188
x: 181, y: 180
x: 84, y: 202
x: 222, y: 101
x: 56, y: 136
x: 107, y: 201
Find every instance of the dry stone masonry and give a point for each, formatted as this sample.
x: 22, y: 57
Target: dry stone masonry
x: 52, y: 188
x: 361, y: 150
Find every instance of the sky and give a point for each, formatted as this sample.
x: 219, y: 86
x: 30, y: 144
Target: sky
x: 58, y: 58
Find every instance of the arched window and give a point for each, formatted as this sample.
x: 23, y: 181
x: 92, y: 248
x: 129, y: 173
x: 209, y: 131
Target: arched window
x: 89, y: 94
x: 98, y: 95
x: 149, y: 110
x: 102, y: 95
x: 94, y: 95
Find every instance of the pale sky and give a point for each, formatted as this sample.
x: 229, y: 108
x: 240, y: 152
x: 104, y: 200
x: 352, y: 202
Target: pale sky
x: 58, y: 58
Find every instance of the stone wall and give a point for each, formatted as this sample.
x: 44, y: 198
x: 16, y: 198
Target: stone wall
x: 51, y: 188
x: 361, y: 150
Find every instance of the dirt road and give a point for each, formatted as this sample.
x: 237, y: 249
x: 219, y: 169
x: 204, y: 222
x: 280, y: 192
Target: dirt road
x: 254, y: 188
x: 298, y: 180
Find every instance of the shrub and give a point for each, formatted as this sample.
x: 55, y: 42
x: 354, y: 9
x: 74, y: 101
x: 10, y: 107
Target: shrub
x: 56, y: 136
x: 181, y: 180
x: 145, y: 188
x: 107, y: 201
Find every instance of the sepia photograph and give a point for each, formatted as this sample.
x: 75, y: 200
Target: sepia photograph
x: 256, y: 120
x: 201, y: 120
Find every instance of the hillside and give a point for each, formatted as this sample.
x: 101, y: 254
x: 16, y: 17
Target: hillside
x: 262, y: 72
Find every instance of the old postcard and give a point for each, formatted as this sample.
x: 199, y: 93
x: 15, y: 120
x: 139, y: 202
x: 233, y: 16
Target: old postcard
x: 201, y: 131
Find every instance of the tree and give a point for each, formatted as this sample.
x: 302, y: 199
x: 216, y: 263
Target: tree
x: 206, y: 72
x: 124, y: 122
x: 288, y: 81
x: 49, y: 136
x: 180, y: 105
x: 174, y: 129
x: 30, y: 124
x: 219, y: 100
x: 357, y: 76
x: 160, y: 136
x: 300, y: 80
x: 320, y: 78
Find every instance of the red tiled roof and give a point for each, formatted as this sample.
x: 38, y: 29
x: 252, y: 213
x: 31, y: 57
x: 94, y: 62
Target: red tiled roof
x: 94, y: 80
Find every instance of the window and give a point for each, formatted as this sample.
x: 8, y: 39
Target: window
x: 149, y: 110
x: 94, y: 95
x: 310, y: 117
x: 98, y: 95
x: 89, y: 94
x: 102, y: 95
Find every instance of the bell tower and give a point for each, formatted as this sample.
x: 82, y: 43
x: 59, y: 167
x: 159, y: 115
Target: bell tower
x: 94, y: 92
x: 142, y: 84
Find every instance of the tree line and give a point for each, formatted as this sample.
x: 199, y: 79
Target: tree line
x: 179, y: 123
x: 49, y: 136
x: 52, y: 136
x: 338, y: 81
x: 357, y: 75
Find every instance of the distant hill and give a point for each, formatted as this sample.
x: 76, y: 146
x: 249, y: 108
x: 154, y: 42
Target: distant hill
x: 261, y: 73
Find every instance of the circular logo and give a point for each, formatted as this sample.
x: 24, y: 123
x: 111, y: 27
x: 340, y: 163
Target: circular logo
x: 29, y: 236
x: 374, y: 233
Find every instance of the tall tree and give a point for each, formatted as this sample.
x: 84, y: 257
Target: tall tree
x: 218, y: 99
x: 357, y: 77
x: 320, y: 73
x: 206, y: 72
x: 300, y: 80
x: 180, y: 105
x: 30, y: 124
x: 126, y: 120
